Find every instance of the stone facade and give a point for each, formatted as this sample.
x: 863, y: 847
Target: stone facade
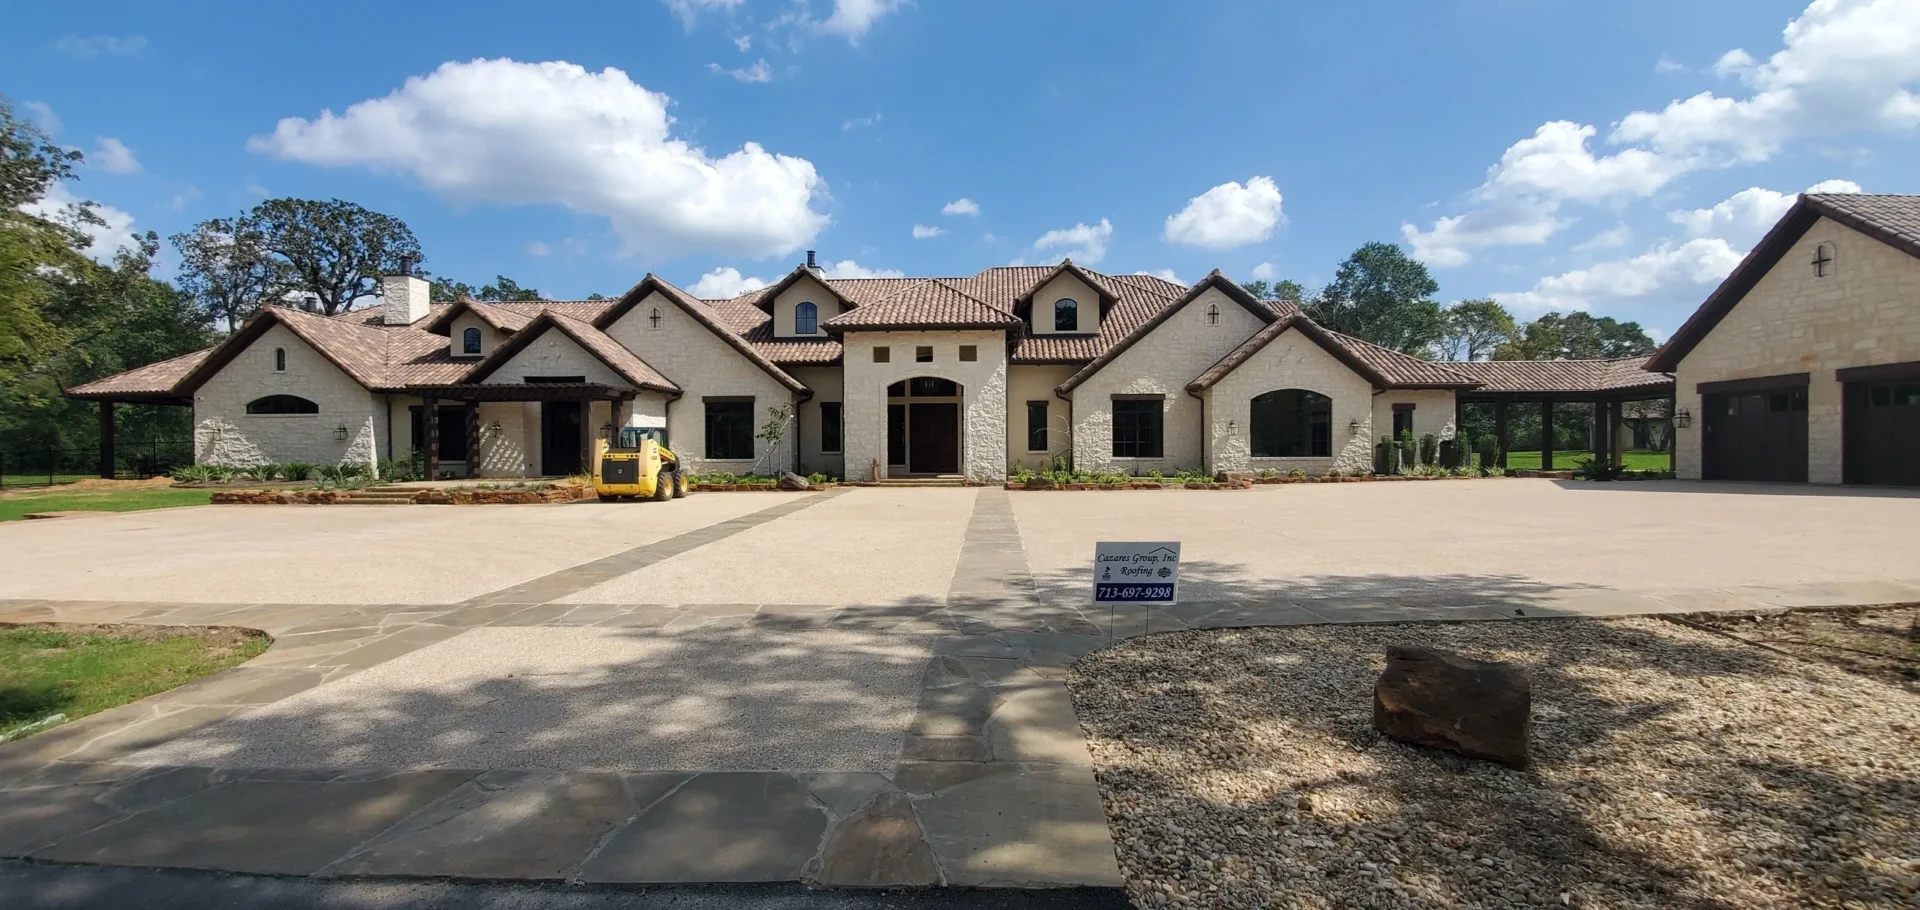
x: 1162, y: 363
x: 224, y: 433
x: 983, y: 392
x: 1291, y: 361
x: 704, y: 366
x: 1863, y: 312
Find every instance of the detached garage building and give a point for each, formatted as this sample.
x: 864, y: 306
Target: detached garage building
x: 1804, y: 365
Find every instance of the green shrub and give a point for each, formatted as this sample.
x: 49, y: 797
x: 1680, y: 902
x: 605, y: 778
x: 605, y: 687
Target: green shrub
x: 192, y: 473
x: 1335, y: 472
x: 816, y: 477
x: 1599, y: 467
x: 297, y: 471
x: 1429, y: 450
x: 1409, y: 451
x: 1297, y: 472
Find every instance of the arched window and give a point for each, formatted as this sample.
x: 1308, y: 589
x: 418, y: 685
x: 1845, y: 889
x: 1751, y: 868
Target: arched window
x: 1291, y: 423
x: 806, y: 319
x: 653, y: 318
x: 279, y: 360
x: 1213, y: 314
x: 1066, y: 315
x: 282, y: 404
x: 470, y: 341
x: 1823, y: 260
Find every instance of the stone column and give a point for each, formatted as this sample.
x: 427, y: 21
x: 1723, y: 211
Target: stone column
x: 430, y: 427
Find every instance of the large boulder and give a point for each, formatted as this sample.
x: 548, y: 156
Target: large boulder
x: 1442, y: 700
x: 792, y: 481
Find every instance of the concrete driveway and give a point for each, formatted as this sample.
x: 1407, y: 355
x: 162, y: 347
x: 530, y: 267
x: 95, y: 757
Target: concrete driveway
x: 853, y: 688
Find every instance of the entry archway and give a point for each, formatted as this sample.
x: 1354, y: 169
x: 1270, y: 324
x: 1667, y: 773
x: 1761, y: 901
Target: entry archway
x: 924, y: 429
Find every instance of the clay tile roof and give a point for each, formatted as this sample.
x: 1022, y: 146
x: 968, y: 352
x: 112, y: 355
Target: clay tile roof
x: 1893, y: 219
x: 154, y: 379
x: 1152, y: 314
x: 614, y: 354
x: 1403, y: 371
x: 929, y: 304
x: 703, y: 314
x: 1624, y: 374
x: 870, y: 290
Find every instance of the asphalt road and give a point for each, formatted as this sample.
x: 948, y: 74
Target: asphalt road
x: 72, y: 887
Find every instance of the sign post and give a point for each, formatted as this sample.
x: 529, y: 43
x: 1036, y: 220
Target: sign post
x: 1136, y: 573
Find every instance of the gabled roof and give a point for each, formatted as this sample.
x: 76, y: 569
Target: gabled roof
x: 358, y: 350
x: 1385, y: 368
x: 765, y: 299
x: 499, y: 317
x: 929, y: 304
x: 1214, y: 281
x: 1890, y: 219
x: 608, y: 351
x: 702, y: 314
x: 1066, y: 267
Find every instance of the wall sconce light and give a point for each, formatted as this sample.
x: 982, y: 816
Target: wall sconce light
x: 606, y: 431
x: 1353, y: 428
x: 1683, y: 418
x: 340, y: 432
x: 493, y: 430
x: 1232, y: 427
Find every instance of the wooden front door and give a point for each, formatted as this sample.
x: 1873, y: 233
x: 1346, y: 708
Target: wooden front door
x: 1756, y: 436
x: 560, y: 453
x: 934, y: 438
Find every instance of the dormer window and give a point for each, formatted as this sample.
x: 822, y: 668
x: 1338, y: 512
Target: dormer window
x: 1213, y: 314
x: 1066, y: 315
x: 653, y: 319
x: 470, y: 341
x: 806, y: 319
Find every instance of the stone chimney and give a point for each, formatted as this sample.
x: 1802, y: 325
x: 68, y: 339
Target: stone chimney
x: 405, y: 295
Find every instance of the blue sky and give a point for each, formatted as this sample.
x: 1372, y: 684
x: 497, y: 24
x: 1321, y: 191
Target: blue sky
x: 1616, y: 157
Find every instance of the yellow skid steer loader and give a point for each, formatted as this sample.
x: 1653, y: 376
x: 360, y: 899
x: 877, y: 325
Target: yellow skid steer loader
x: 637, y: 465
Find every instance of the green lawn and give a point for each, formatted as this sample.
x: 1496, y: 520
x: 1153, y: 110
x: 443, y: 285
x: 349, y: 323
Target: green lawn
x: 10, y: 480
x: 131, y: 499
x: 1566, y: 461
x: 82, y: 670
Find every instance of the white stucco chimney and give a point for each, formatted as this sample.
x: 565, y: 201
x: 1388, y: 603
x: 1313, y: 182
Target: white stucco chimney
x: 405, y: 296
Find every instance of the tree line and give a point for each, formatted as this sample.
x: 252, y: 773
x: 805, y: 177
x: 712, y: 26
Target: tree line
x: 1382, y: 295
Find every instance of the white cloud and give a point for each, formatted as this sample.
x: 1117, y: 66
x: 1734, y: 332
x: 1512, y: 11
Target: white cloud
x: 1083, y: 242
x: 536, y: 248
x: 1617, y: 236
x: 1666, y: 65
x: 1681, y: 273
x: 88, y: 47
x: 1452, y: 239
x: 185, y: 196
x: 1556, y: 163
x: 847, y: 268
x: 689, y: 10
x: 1846, y: 65
x: 1165, y: 275
x: 923, y: 231
x: 724, y: 282
x: 1265, y: 272
x: 743, y: 42
x: 852, y: 19
x: 759, y: 72
x: 115, y: 234
x: 961, y: 206
x: 41, y: 113
x: 554, y: 133
x: 113, y: 156
x: 1747, y: 215
x: 1228, y: 215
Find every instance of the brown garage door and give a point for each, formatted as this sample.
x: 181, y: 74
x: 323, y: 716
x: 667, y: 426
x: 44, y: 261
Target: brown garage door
x: 1883, y: 432
x: 1756, y: 435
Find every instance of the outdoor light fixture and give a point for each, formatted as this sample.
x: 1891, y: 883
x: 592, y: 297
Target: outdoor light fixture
x: 1683, y: 418
x: 606, y: 431
x: 340, y: 432
x: 493, y: 429
x: 1353, y: 427
x: 1232, y: 427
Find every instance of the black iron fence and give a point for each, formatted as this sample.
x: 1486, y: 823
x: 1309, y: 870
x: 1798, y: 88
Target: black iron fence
x: 32, y: 466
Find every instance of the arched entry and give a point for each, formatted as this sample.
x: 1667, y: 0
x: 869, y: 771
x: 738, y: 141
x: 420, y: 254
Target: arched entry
x: 923, y: 426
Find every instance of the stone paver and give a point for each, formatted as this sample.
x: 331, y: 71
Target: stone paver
x: 741, y: 827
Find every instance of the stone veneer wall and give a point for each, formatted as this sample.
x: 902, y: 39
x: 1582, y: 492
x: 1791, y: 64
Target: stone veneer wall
x: 224, y: 433
x: 703, y: 365
x: 1291, y: 361
x: 983, y: 385
x: 1162, y: 363
x: 1865, y: 311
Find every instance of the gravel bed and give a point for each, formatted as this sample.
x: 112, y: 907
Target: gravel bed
x: 1672, y: 768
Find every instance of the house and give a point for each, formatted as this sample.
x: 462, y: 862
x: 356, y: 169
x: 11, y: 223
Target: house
x: 863, y: 378
x: 1804, y: 364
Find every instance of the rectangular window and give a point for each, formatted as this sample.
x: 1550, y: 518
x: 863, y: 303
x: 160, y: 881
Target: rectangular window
x: 730, y: 429
x: 969, y: 353
x: 1036, y: 426
x: 882, y: 355
x: 829, y: 426
x: 923, y: 354
x: 1402, y: 420
x: 1136, y: 427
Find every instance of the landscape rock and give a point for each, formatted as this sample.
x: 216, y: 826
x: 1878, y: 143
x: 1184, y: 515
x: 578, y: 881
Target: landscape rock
x: 1442, y: 700
x: 792, y: 481
x: 1038, y: 482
